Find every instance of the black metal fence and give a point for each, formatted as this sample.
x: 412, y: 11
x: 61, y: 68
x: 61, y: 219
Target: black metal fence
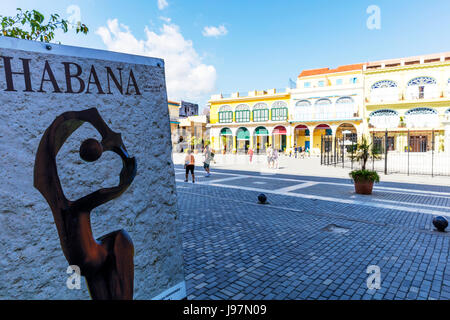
x: 408, y: 152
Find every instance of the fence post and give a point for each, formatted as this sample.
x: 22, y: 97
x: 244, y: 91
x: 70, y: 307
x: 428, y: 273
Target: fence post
x: 385, y: 151
x: 328, y: 149
x: 432, y: 153
x: 321, y: 150
x: 373, y: 142
x: 352, y: 152
x: 335, y: 150
x: 408, y: 152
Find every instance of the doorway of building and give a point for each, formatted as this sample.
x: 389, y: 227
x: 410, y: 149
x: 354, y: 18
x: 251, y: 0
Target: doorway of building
x: 226, y: 140
x: 279, y: 138
x: 260, y: 140
x: 418, y: 143
x: 242, y: 140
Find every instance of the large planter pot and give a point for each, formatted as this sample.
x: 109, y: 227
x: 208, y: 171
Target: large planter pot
x: 363, y: 186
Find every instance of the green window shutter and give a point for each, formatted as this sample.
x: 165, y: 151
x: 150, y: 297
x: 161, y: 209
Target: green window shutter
x: 242, y: 116
x: 226, y: 116
x: 279, y: 114
x: 261, y: 115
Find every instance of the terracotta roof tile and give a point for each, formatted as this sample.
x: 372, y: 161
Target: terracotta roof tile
x: 314, y: 72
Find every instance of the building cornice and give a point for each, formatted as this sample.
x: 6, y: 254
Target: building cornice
x: 332, y: 74
x: 251, y: 98
x: 408, y: 67
x: 440, y: 102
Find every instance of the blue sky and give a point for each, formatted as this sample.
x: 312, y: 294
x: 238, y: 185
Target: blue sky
x: 259, y: 44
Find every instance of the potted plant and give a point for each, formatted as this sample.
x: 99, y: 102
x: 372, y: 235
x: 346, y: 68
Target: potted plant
x: 363, y: 178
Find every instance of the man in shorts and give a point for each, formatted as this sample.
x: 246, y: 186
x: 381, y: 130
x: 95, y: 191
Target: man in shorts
x: 189, y: 165
x: 207, y: 161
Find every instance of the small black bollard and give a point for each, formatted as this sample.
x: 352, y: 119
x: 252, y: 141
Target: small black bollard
x: 262, y: 198
x: 440, y: 223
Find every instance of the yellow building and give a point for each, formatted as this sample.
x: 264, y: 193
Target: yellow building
x: 174, y: 114
x: 327, y: 102
x: 407, y: 96
x: 410, y: 96
x: 250, y: 120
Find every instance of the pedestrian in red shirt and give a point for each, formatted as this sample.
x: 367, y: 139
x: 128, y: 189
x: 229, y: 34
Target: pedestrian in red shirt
x: 250, y: 154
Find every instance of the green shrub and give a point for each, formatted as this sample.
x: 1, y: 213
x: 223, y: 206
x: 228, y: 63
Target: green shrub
x: 364, y: 175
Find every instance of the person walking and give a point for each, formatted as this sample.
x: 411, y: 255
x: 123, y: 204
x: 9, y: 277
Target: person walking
x: 269, y: 152
x: 207, y: 161
x: 250, y: 154
x: 275, y: 158
x: 189, y: 165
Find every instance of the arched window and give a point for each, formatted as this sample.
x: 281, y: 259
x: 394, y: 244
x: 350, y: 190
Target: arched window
x: 225, y: 108
x: 322, y: 102
x: 421, y: 81
x: 345, y: 108
x: 225, y: 114
x: 303, y: 111
x: 323, y: 109
x: 303, y: 103
x: 384, y: 90
x: 422, y: 88
x: 422, y: 118
x: 279, y: 111
x: 384, y: 84
x: 242, y: 113
x: 384, y: 118
x: 421, y: 111
x: 260, y: 112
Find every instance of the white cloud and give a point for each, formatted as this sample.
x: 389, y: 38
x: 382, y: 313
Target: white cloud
x: 214, y: 31
x: 187, y: 77
x: 162, y: 4
x: 165, y: 19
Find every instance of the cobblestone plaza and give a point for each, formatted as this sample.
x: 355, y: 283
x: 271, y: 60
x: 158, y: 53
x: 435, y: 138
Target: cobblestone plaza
x: 314, y: 240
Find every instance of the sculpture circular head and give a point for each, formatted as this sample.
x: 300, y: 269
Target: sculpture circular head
x: 91, y: 150
x: 440, y: 223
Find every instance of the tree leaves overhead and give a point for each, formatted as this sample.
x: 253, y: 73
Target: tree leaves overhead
x: 31, y: 25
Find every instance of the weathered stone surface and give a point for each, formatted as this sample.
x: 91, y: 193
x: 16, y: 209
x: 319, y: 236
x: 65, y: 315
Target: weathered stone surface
x: 32, y: 264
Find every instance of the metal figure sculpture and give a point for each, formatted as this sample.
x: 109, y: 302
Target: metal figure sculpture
x: 106, y: 263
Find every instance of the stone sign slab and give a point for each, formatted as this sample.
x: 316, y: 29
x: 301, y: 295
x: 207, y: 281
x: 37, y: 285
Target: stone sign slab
x: 40, y: 85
